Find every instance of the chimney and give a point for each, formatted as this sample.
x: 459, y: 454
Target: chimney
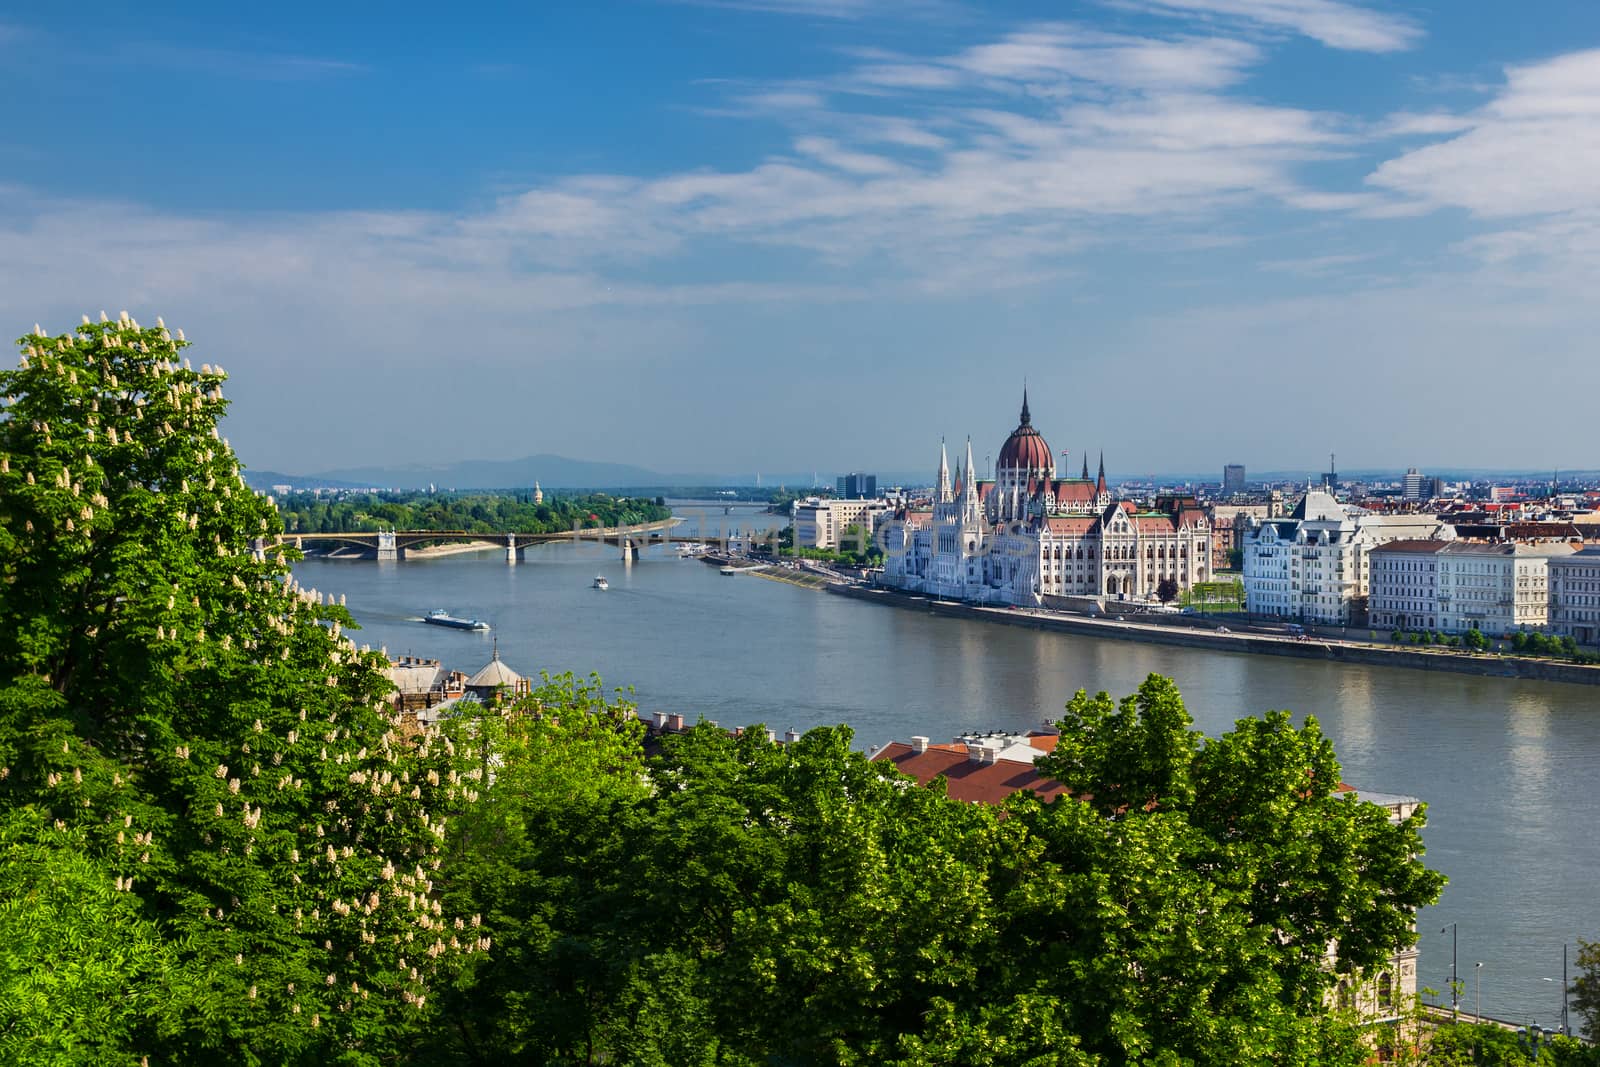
x: 791, y: 736
x: 675, y: 723
x: 771, y: 736
x: 985, y: 751
x: 661, y: 720
x: 919, y: 744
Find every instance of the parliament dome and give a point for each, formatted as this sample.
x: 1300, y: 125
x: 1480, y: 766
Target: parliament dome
x: 1026, y: 449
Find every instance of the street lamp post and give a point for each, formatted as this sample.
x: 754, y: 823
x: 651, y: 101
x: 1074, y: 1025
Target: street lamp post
x: 1566, y: 1022
x: 1455, y: 989
x: 1477, y: 991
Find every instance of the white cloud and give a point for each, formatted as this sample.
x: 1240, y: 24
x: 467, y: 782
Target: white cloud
x: 912, y: 181
x: 1332, y: 22
x: 1532, y: 150
x: 1408, y: 124
x: 1055, y: 52
x: 851, y: 10
x: 1011, y: 179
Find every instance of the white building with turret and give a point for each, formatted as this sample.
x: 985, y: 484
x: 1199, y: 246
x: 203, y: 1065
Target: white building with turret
x: 1313, y: 566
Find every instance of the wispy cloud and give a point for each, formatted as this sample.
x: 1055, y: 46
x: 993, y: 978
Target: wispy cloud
x: 1533, y: 149
x: 851, y: 10
x: 239, y: 63
x: 1318, y: 266
x: 1058, y: 133
x: 1332, y: 22
x: 1432, y: 124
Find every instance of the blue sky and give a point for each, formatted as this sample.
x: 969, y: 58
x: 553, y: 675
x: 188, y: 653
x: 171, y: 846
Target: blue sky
x: 793, y: 234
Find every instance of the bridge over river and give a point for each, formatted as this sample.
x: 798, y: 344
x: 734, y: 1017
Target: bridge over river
x: 393, y: 544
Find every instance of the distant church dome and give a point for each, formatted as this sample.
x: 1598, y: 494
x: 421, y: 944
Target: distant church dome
x: 1026, y: 449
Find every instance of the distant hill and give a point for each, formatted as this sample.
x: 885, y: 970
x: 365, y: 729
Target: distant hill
x: 551, y: 472
x: 265, y: 480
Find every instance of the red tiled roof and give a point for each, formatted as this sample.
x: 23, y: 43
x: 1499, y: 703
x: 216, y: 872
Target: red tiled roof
x: 1044, y: 742
x: 1412, y: 544
x: 966, y: 779
x: 1074, y: 491
x: 1071, y: 524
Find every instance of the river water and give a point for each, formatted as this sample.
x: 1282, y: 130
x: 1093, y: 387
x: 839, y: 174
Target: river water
x: 1506, y: 766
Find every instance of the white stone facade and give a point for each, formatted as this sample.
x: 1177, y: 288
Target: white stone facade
x: 1575, y: 595
x: 1403, y: 585
x: 1313, y: 565
x: 1496, y: 588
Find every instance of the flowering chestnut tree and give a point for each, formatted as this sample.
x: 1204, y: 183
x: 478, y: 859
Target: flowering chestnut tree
x: 189, y: 734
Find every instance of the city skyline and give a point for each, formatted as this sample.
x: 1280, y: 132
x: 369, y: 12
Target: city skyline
x: 674, y: 233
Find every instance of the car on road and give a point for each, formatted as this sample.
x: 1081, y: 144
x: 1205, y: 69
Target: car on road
x: 1223, y: 630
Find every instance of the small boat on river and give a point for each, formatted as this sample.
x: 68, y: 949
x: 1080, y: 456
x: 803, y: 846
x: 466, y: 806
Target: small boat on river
x: 441, y: 617
x: 600, y: 582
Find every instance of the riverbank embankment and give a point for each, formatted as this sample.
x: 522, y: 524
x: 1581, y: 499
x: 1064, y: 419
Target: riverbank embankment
x: 804, y: 579
x: 1490, y: 666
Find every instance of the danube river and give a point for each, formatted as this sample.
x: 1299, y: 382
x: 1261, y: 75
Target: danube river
x: 1506, y: 766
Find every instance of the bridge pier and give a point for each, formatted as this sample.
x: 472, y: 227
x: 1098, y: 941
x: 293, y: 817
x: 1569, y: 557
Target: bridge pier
x: 630, y: 551
x: 258, y: 549
x: 511, y: 548
x: 386, y: 547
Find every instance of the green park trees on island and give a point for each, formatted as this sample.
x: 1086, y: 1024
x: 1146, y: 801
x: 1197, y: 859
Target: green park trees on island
x: 485, y: 513
x: 217, y: 844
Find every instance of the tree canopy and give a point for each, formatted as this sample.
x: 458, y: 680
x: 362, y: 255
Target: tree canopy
x: 217, y: 844
x: 739, y: 901
x: 346, y: 512
x: 204, y: 802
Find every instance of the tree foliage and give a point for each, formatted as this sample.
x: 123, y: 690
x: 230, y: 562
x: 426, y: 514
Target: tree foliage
x: 218, y: 846
x: 1489, y: 1045
x: 467, y: 512
x: 189, y: 745
x: 1586, y: 988
x: 736, y: 901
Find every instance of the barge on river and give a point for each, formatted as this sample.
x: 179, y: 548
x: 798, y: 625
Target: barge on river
x: 441, y: 617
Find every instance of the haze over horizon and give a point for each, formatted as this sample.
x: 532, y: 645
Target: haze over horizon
x: 720, y: 235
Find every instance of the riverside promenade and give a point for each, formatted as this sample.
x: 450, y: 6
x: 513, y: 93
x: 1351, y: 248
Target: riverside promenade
x: 1220, y: 640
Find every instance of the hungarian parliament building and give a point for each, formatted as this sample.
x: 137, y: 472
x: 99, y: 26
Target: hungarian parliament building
x: 1025, y: 534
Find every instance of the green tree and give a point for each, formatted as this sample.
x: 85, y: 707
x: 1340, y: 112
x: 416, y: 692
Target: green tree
x: 1251, y: 833
x: 184, y: 727
x: 81, y: 961
x: 1586, y: 988
x: 736, y: 901
x: 1167, y: 590
x: 1488, y: 1045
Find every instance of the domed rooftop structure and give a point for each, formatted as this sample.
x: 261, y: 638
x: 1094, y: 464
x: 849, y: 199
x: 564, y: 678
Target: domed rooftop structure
x: 494, y: 676
x: 1026, y: 449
